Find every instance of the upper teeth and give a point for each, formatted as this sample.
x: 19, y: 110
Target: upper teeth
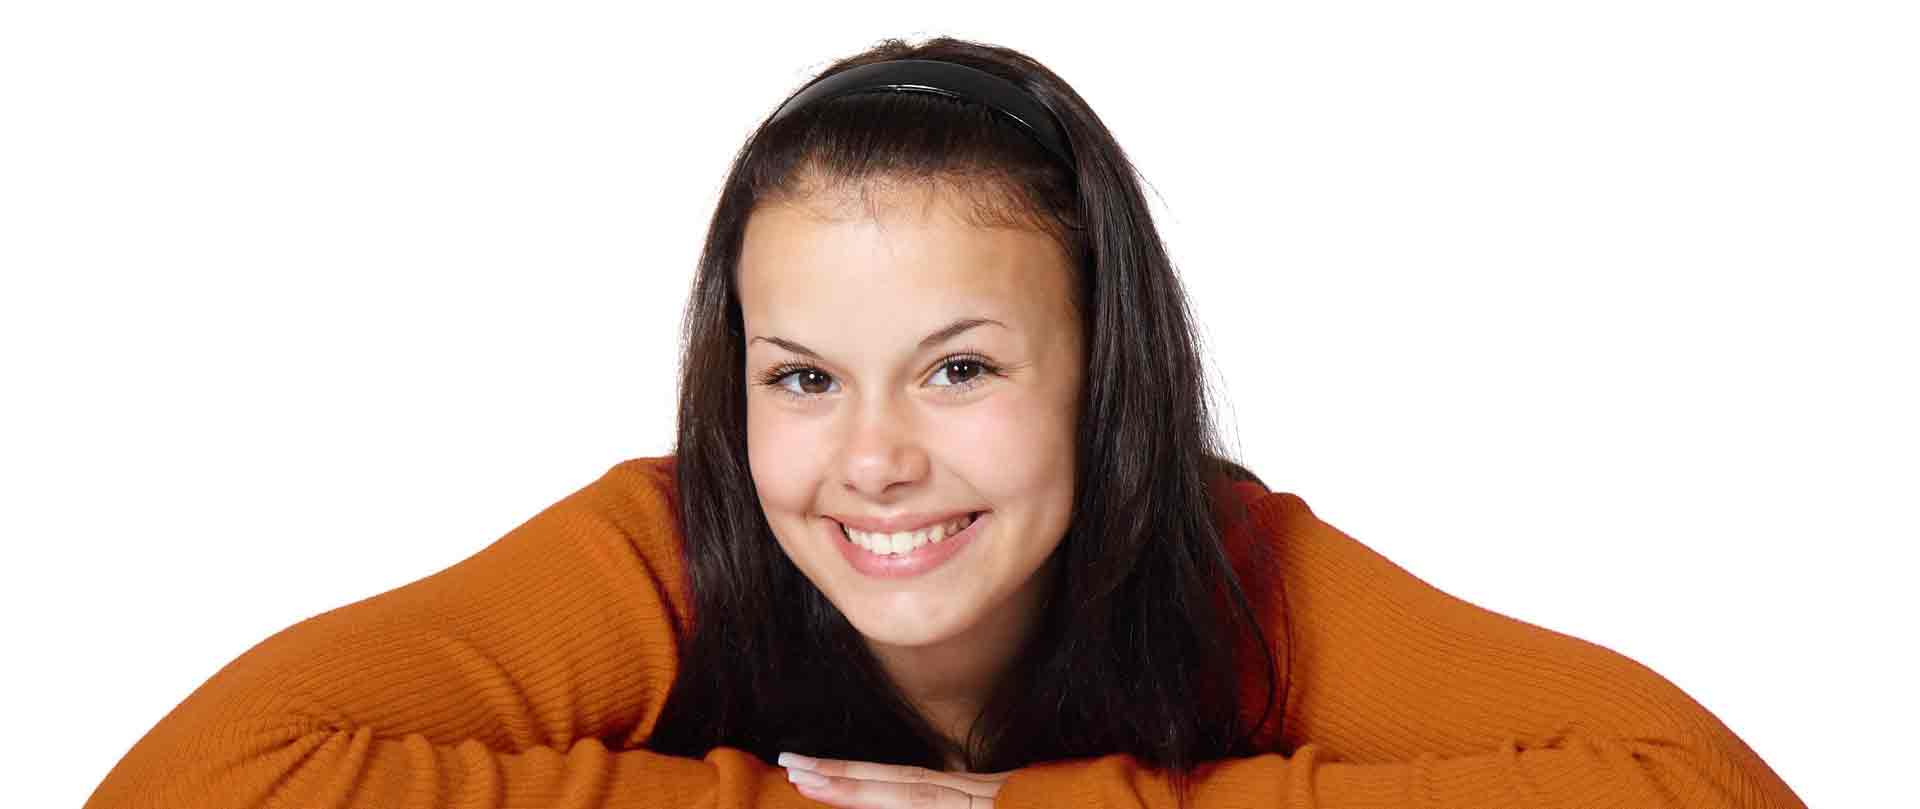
x: 906, y: 540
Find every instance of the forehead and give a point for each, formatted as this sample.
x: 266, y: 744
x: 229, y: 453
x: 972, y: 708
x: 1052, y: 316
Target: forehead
x: 902, y: 247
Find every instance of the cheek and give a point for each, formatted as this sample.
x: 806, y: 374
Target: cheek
x: 782, y: 459
x: 1014, y: 446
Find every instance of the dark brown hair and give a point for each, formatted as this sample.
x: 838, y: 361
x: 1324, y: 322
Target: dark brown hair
x: 1159, y: 628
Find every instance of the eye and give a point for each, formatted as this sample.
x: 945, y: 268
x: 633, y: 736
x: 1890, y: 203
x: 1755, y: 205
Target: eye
x: 808, y: 375
x: 814, y: 383
x: 979, y: 367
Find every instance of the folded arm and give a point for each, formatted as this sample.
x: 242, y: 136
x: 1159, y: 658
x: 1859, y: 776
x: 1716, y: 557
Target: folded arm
x: 516, y: 677
x: 1406, y: 696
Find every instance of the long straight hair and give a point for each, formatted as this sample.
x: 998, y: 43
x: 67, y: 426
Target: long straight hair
x: 1140, y: 647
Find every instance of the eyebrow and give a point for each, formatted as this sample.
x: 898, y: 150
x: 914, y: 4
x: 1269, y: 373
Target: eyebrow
x: 947, y: 332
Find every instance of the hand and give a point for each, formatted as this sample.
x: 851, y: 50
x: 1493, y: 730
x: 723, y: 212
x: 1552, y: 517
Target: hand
x: 866, y: 785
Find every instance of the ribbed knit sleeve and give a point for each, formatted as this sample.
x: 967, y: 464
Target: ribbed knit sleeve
x: 531, y: 673
x: 511, y: 679
x: 1405, y: 696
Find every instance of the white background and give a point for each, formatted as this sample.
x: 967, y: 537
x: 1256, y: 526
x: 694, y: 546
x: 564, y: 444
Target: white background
x: 1597, y: 315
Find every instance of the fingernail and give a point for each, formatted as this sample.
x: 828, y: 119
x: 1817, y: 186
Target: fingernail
x: 796, y: 760
x: 806, y: 778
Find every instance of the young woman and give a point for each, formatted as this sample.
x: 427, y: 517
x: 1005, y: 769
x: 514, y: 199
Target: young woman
x: 947, y: 524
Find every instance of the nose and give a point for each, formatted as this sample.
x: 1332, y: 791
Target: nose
x: 883, y: 449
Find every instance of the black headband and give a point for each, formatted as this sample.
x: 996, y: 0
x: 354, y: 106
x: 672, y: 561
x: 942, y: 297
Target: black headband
x: 947, y: 79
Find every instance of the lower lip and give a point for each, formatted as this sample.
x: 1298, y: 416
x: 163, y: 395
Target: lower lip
x: 905, y: 565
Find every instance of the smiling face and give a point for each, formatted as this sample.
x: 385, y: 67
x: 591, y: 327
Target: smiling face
x: 878, y: 425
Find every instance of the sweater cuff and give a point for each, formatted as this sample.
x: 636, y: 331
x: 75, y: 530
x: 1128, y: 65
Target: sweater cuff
x: 1119, y: 780
x: 1047, y: 785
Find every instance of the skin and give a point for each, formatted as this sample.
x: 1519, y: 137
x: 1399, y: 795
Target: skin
x: 866, y: 785
x: 879, y: 426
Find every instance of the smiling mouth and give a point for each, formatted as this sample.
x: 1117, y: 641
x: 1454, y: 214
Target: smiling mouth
x: 906, y: 541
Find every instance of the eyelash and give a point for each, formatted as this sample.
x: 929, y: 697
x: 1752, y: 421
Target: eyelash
x: 774, y: 375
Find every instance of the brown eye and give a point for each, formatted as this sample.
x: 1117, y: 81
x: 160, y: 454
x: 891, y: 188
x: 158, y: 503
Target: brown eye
x: 809, y: 376
x: 964, y: 373
x: 778, y: 377
x: 813, y: 382
x: 963, y: 377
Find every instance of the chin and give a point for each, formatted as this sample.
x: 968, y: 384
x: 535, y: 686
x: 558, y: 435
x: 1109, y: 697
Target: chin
x: 917, y: 632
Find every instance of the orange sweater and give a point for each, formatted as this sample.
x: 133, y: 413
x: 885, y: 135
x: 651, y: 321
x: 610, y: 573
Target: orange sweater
x: 531, y: 673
